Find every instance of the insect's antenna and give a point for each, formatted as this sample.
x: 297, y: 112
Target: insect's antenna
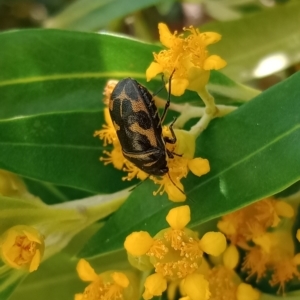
x: 133, y: 188
x: 176, y: 185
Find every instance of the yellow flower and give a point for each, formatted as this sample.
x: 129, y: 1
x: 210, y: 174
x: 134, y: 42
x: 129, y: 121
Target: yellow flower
x: 110, y: 285
x: 175, y: 252
x: 189, y: 58
x: 22, y: 247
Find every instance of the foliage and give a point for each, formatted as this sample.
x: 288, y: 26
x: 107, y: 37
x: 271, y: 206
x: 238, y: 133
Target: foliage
x: 51, y: 87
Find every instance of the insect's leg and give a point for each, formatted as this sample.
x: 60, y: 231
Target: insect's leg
x: 168, y: 101
x: 170, y: 154
x: 173, y: 139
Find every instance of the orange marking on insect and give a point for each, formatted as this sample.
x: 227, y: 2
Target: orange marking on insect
x: 149, y: 133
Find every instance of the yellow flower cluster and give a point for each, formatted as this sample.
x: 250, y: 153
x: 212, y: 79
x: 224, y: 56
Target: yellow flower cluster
x: 179, y: 166
x: 189, y: 58
x: 265, y: 251
x: 176, y: 254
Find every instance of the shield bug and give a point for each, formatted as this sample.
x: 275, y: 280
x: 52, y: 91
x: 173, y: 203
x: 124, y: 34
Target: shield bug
x: 138, y: 127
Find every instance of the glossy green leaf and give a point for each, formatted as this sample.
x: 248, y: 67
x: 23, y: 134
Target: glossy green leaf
x: 253, y: 153
x: 91, y: 15
x: 247, y: 42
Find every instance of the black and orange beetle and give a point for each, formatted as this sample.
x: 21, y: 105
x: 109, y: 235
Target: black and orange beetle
x: 138, y: 126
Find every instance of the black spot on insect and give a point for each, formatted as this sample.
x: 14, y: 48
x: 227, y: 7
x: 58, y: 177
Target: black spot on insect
x: 138, y: 126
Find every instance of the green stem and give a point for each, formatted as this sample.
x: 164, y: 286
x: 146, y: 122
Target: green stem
x: 188, y: 111
x: 210, y: 112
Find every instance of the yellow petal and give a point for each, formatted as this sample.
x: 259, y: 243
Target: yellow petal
x: 213, y: 243
x: 178, y: 86
x: 284, y: 209
x: 210, y: 37
x: 231, y: 257
x: 199, y: 166
x: 196, y: 287
x: 214, y: 62
x: 33, y: 235
x: 247, y: 292
x: 35, y: 262
x: 179, y: 217
x: 85, y: 271
x: 165, y: 36
x: 153, y: 70
x: 138, y: 243
x: 121, y: 279
x: 155, y: 285
x: 175, y: 191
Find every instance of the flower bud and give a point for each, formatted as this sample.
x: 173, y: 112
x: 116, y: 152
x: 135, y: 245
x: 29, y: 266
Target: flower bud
x: 22, y: 247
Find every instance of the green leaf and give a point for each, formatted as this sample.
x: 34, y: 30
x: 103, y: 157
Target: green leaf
x: 90, y: 15
x: 249, y: 41
x: 253, y: 153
